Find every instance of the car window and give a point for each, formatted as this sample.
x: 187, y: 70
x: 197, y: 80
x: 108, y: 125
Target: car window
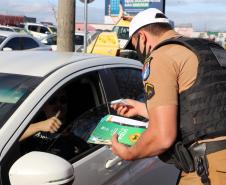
x: 53, y: 29
x: 130, y: 83
x: 28, y: 43
x: 122, y: 32
x: 33, y: 28
x: 6, y: 29
x: 92, y: 37
x: 85, y: 107
x: 79, y: 40
x: 2, y: 38
x: 14, y: 44
x: 43, y: 29
x: 13, y: 90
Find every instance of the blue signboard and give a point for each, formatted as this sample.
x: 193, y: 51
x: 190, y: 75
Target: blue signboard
x: 131, y: 7
x: 114, y: 7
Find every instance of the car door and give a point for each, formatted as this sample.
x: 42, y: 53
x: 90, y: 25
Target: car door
x: 28, y: 43
x: 87, y: 105
x: 98, y: 163
x: 13, y: 43
x: 144, y: 171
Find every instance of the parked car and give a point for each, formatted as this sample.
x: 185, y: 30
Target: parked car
x: 51, y: 40
x: 39, y: 30
x: 18, y: 41
x: 12, y: 29
x: 122, y: 30
x: 7, y: 28
x: 28, y: 80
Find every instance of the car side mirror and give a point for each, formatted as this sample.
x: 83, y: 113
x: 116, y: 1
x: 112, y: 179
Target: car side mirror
x: 7, y: 49
x: 39, y: 168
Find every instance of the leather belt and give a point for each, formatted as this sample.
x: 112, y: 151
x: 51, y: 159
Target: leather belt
x: 215, y: 146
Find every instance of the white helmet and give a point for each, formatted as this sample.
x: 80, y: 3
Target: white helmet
x: 148, y: 16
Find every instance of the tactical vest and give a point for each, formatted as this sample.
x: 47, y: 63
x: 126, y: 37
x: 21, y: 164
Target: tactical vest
x: 202, y: 107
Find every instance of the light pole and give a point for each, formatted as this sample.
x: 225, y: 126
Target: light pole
x: 85, y: 22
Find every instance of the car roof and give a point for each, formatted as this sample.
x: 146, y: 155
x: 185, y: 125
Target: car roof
x: 3, y: 26
x: 35, y: 24
x: 9, y: 33
x: 41, y: 63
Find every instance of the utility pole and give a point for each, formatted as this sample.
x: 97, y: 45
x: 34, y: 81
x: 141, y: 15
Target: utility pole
x: 66, y: 25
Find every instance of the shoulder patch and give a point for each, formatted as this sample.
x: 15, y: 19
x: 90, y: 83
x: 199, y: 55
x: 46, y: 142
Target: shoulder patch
x: 149, y: 90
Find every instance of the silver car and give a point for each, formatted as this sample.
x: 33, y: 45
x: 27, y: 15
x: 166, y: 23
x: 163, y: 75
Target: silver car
x: 28, y: 80
x: 20, y: 41
x: 51, y: 40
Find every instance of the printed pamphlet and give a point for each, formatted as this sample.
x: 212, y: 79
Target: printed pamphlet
x: 128, y: 130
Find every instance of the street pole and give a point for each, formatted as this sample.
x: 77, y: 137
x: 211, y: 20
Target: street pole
x: 164, y: 6
x: 85, y: 25
x: 66, y: 25
x: 85, y: 22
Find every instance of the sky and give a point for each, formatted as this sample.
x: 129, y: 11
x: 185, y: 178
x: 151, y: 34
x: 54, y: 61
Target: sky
x: 202, y: 14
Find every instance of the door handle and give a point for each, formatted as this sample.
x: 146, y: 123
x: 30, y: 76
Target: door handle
x: 112, y: 162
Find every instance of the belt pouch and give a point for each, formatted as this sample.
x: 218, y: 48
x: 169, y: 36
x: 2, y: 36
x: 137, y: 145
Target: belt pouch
x: 184, y: 158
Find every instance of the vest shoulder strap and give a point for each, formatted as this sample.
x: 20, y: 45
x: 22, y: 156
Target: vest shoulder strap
x: 194, y: 44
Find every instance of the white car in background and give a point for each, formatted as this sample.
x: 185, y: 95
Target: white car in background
x: 17, y: 41
x: 13, y: 29
x: 8, y: 28
x: 51, y: 40
x: 28, y: 80
x: 39, y: 30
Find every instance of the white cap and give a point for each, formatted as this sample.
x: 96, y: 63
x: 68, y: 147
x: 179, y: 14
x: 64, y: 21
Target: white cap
x: 148, y: 16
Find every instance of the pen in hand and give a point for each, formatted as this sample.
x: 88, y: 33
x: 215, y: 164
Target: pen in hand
x: 57, y: 114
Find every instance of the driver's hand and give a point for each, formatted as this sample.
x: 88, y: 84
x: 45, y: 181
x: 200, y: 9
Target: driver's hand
x: 51, y: 125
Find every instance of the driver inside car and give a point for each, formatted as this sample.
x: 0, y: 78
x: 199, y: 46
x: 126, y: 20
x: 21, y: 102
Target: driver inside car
x: 50, y: 119
x: 50, y: 130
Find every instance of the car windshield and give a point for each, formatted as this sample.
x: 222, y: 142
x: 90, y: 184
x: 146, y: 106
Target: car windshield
x: 79, y: 39
x: 17, y: 29
x: 13, y: 91
x: 53, y: 29
x: 122, y: 32
x: 2, y: 38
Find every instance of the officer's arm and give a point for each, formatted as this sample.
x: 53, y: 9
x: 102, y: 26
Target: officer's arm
x: 158, y: 137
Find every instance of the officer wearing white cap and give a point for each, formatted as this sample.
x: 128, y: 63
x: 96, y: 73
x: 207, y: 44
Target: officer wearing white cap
x: 185, y: 86
x: 142, y: 20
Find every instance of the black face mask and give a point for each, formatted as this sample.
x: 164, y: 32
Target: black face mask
x: 142, y: 55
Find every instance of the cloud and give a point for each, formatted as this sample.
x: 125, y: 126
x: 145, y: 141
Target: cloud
x: 98, y: 18
x: 40, y: 10
x: 186, y: 2
x: 202, y: 14
x: 200, y: 20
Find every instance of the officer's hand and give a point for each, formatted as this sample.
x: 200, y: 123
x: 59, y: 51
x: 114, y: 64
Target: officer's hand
x: 50, y: 125
x: 119, y: 149
x: 127, y: 110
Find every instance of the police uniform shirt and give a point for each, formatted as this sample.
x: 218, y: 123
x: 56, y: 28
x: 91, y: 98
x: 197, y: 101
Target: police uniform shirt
x: 168, y: 71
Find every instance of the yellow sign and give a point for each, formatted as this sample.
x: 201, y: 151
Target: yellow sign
x: 106, y: 44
